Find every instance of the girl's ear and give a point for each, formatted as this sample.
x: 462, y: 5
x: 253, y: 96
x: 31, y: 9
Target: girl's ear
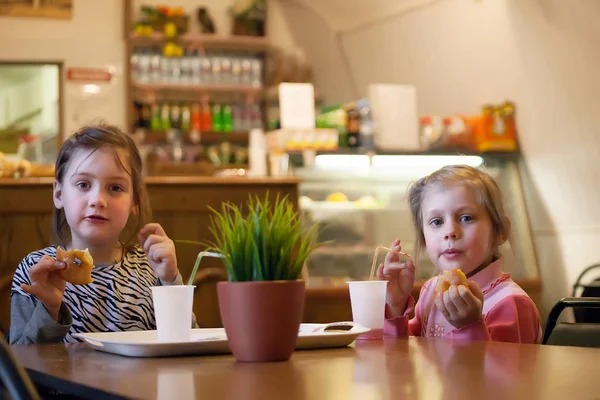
x: 57, y: 195
x: 504, y: 236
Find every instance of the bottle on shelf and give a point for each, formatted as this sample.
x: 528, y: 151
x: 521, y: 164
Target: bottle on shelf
x: 206, y: 71
x: 165, y: 116
x: 246, y: 72
x: 353, y: 128
x: 367, y: 141
x: 155, y: 121
x: 186, y: 118
x: 217, y: 118
x: 236, y: 70
x: 185, y: 75
x: 144, y: 66
x: 176, y: 116
x: 206, y: 118
x: 257, y: 72
x: 227, y: 118
x: 216, y: 64
x: 195, y: 67
x: 155, y: 66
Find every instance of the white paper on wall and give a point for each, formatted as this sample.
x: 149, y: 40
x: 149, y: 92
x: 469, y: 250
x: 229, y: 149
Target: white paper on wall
x: 297, y: 105
x: 395, y: 115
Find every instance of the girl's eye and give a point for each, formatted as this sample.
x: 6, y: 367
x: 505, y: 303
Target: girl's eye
x: 116, y: 188
x: 436, y: 222
x: 82, y: 185
x: 466, y: 218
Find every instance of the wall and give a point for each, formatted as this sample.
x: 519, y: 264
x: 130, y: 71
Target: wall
x: 94, y: 38
x: 541, y: 54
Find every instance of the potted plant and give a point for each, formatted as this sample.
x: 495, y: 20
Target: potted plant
x: 264, y: 251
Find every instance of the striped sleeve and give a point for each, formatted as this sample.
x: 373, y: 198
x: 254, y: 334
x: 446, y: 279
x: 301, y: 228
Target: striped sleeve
x: 22, y: 273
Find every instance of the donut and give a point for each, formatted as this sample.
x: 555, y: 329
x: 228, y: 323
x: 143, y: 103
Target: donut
x: 79, y: 266
x: 447, y: 278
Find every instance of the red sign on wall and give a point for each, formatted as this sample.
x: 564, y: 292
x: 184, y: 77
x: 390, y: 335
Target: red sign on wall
x: 89, y: 74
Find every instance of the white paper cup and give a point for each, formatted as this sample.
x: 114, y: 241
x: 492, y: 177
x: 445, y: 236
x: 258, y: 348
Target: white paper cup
x: 368, y: 306
x: 173, y: 312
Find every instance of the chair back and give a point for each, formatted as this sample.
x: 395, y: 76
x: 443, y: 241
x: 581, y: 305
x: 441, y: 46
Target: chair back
x: 13, y: 376
x: 572, y: 334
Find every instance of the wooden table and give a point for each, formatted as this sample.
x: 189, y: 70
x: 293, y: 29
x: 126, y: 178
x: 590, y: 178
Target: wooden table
x: 389, y: 369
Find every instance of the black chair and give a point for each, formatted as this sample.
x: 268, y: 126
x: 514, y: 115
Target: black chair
x: 13, y: 378
x: 572, y: 334
x: 591, y: 289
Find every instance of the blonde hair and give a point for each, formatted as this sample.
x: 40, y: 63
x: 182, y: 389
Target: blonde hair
x: 94, y: 137
x: 485, y: 188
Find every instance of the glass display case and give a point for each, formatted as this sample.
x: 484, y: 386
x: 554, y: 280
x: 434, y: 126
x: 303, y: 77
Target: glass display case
x: 360, y: 203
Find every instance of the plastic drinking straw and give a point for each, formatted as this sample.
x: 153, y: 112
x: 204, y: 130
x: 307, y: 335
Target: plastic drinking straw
x: 377, y: 253
x: 200, y: 255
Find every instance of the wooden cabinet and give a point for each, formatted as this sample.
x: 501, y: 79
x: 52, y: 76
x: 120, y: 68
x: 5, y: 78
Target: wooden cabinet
x: 179, y: 204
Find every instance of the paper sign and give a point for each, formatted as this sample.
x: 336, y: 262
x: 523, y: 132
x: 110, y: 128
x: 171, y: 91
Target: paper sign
x: 395, y: 113
x: 297, y: 105
x: 89, y: 74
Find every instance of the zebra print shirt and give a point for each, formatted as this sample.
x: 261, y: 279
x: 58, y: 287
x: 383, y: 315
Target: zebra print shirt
x: 119, y: 299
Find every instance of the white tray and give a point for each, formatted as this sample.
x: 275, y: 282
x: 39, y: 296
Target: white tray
x: 212, y: 341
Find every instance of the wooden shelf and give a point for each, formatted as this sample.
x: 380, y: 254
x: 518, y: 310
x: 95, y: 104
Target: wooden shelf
x: 160, y: 137
x: 204, y: 88
x: 207, y: 41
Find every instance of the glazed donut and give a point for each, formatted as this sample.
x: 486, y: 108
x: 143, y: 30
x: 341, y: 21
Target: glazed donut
x: 448, y: 278
x: 77, y: 273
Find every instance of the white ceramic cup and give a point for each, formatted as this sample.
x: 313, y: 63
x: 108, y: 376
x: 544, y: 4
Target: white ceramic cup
x: 173, y: 312
x: 368, y: 306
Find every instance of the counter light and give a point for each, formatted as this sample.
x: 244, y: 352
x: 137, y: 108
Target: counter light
x: 430, y: 162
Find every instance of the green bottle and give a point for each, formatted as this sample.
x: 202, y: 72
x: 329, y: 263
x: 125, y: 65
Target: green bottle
x: 227, y: 118
x: 217, y: 118
x: 165, y: 116
x: 155, y: 121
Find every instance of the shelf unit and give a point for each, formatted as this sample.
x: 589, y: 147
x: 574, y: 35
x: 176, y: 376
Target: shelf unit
x: 155, y: 92
x: 239, y: 138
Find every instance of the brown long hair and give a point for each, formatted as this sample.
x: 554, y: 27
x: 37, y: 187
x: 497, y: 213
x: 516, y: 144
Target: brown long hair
x: 94, y: 137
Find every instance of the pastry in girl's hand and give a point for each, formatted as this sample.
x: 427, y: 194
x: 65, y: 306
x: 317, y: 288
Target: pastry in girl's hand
x: 79, y: 266
x: 448, y: 278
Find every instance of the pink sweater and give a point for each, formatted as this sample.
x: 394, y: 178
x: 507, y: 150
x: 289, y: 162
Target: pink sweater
x: 509, y: 315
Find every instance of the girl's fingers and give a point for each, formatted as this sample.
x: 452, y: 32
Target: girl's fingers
x: 439, y: 303
x: 448, y: 303
x: 380, y: 274
x: 28, y: 289
x: 468, y: 297
x: 58, y: 265
x: 392, y: 256
x: 456, y: 298
x: 151, y: 241
x: 151, y: 229
x: 409, y: 268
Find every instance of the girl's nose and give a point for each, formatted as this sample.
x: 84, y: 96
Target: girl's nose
x: 452, y: 232
x: 97, y: 199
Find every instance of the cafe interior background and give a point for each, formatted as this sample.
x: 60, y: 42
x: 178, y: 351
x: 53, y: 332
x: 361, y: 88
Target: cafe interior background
x: 459, y: 55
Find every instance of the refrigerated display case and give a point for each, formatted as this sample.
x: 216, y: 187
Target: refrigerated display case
x: 360, y: 203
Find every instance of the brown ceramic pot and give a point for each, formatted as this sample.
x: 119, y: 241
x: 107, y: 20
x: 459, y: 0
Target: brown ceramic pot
x: 261, y: 319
